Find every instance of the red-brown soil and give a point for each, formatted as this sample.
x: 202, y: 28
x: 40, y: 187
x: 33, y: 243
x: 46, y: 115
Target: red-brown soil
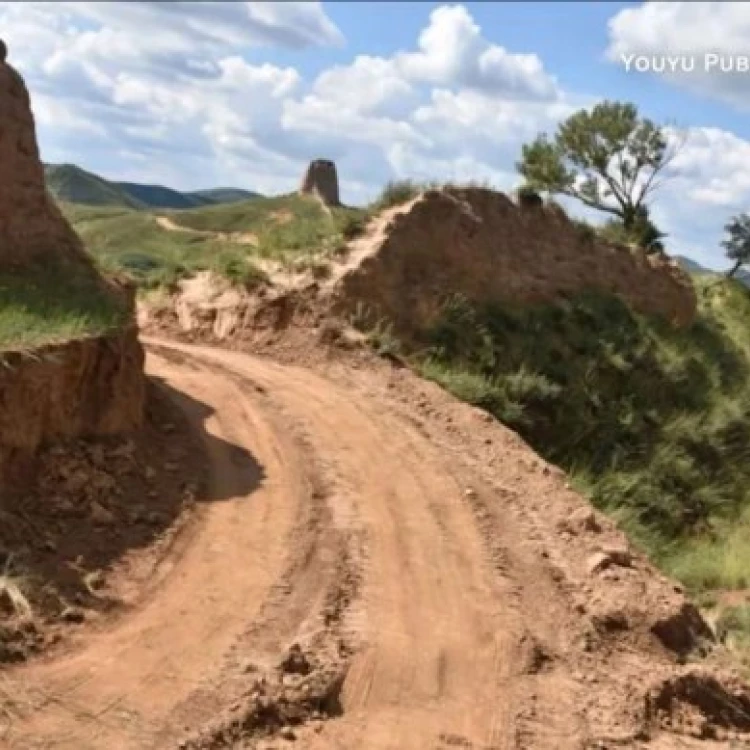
x: 375, y: 565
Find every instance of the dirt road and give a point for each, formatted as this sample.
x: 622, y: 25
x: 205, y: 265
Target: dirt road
x: 343, y: 517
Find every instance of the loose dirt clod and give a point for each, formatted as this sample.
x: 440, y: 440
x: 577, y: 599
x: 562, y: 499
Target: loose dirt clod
x: 697, y: 704
x: 275, y: 706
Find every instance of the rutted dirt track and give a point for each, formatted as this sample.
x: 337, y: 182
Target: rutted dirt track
x: 343, y: 518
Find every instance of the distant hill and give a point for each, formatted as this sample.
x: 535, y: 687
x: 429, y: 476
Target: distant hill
x: 692, y: 267
x: 223, y: 195
x: 71, y: 184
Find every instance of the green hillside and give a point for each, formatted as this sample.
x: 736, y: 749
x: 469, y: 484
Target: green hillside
x: 66, y: 182
x: 289, y: 229
x: 691, y: 266
x: 71, y: 184
x: 158, y: 196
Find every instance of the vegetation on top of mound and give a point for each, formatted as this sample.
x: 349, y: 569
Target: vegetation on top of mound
x: 610, y: 159
x: 396, y: 192
x: 654, y: 423
x: 42, y: 305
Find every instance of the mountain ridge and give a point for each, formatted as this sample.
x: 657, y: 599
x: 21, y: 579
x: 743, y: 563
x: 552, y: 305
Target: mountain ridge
x: 73, y: 184
x: 692, y: 266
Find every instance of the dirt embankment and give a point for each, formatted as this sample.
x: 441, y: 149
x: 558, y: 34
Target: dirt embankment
x: 480, y: 244
x: 91, y: 387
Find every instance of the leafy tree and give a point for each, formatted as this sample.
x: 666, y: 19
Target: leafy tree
x: 608, y: 158
x: 737, y: 243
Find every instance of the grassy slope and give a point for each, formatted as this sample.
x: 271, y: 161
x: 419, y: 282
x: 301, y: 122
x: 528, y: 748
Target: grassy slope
x: 44, y: 305
x: 288, y: 229
x: 653, y: 423
x: 285, y: 224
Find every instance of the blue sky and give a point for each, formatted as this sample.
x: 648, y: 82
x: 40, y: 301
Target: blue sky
x: 194, y: 95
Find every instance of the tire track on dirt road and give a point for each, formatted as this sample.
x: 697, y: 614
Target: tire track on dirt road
x: 437, y: 641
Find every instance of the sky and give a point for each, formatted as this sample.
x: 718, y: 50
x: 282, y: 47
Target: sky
x: 244, y: 94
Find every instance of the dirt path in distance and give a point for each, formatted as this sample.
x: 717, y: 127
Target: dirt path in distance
x: 241, y: 238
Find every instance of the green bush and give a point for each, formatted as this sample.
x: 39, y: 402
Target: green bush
x: 353, y: 226
x: 239, y: 270
x: 397, y: 192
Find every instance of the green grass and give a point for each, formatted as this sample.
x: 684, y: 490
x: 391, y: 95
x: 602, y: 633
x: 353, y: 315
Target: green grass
x: 397, y: 192
x: 735, y: 620
x: 292, y: 230
x: 44, y: 305
x: 652, y: 422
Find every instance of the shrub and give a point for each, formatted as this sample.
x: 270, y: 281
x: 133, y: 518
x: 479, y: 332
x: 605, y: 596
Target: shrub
x: 395, y: 193
x: 353, y: 226
x: 239, y: 270
x: 528, y: 197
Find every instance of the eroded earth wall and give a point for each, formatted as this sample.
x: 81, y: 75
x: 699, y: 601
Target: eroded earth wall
x: 479, y: 243
x: 86, y: 387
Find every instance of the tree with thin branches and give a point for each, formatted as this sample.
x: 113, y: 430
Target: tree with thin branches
x: 609, y: 158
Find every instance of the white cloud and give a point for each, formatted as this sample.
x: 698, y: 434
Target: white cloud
x: 369, y: 85
x: 166, y: 92
x: 457, y: 106
x: 184, y: 25
x: 689, y: 31
x: 453, y: 52
x: 714, y: 168
x: 166, y: 79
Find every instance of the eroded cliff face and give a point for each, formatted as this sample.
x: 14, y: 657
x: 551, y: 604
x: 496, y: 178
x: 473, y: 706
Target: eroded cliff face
x: 78, y: 389
x: 87, y: 387
x: 479, y: 243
